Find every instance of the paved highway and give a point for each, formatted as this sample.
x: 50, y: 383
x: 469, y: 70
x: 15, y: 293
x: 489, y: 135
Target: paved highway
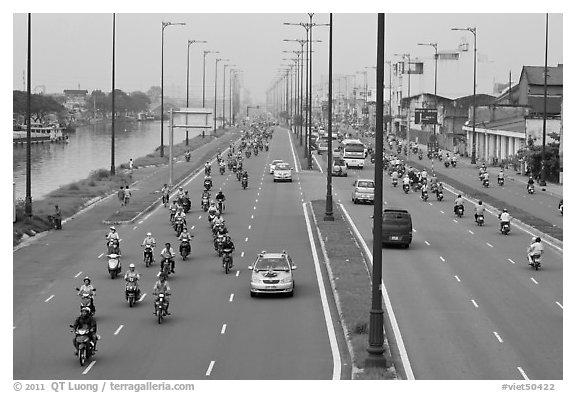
x: 216, y: 331
x: 466, y: 302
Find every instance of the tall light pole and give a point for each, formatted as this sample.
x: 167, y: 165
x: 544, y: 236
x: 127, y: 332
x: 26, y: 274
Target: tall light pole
x: 407, y: 56
x: 389, y: 93
x: 112, y: 152
x: 28, y: 202
x: 204, y: 82
x: 473, y: 158
x: 232, y: 72
x: 224, y: 95
x: 365, y: 73
x: 215, y: 89
x: 190, y: 42
x: 542, y: 160
x: 301, y: 109
x: 164, y: 25
x: 435, y: 46
x: 328, y: 214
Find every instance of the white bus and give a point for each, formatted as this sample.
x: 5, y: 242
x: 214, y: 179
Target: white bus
x: 353, y: 152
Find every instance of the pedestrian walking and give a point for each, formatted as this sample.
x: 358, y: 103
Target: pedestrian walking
x: 121, y: 195
x: 127, y: 195
x: 131, y: 166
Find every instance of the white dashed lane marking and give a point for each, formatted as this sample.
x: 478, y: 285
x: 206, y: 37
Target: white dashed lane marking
x: 560, y: 305
x: 474, y: 303
x: 231, y: 297
x: 50, y: 298
x: 489, y: 245
x: 89, y: 367
x: 223, y: 329
x: 442, y: 259
x: 498, y: 337
x: 457, y: 278
x: 523, y: 373
x: 100, y: 256
x: 76, y: 276
x: 210, y: 367
x: 427, y: 243
x: 511, y: 261
x: 470, y: 231
x: 534, y: 281
x: 118, y: 330
x: 242, y: 255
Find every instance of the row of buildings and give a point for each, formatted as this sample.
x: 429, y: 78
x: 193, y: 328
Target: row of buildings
x: 508, y: 116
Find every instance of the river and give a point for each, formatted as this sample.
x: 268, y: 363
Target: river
x: 57, y: 164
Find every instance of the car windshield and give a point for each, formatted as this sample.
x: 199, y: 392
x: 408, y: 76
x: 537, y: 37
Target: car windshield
x: 277, y: 264
x: 276, y: 162
x: 283, y: 166
x: 366, y: 184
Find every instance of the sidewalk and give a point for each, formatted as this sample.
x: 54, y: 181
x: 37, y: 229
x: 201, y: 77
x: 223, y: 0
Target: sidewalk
x: 146, y: 189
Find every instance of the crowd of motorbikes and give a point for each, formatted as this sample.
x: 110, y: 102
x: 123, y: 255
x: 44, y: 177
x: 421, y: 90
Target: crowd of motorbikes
x: 253, y: 140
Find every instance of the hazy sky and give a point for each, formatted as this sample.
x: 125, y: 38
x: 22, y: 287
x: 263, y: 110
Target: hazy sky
x: 76, y: 49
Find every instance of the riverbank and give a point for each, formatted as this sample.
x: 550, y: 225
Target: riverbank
x: 73, y: 197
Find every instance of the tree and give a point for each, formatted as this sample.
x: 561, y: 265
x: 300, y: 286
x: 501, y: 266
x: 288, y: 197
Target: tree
x: 154, y: 93
x: 40, y: 105
x: 139, y: 101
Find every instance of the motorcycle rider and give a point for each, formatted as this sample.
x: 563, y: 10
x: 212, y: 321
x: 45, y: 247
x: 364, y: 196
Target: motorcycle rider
x: 187, y: 155
x: 504, y: 218
x: 212, y: 209
x: 180, y: 214
x: 535, y: 249
x: 112, y: 235
x: 459, y: 201
x: 245, y: 176
x: 173, y: 210
x: 205, y: 194
x: 88, y: 289
x: 394, y: 175
x: 161, y: 286
x: 406, y: 181
x: 168, y: 255
x: 185, y: 235
x: 501, y: 175
x: 220, y: 198
x: 485, y: 177
x: 218, y: 220
x: 530, y: 182
x: 149, y: 241
x: 478, y: 210
x: 132, y: 273
x: 228, y: 244
x: 207, y: 180
x: 86, y: 321
x: 207, y: 168
x: 222, y: 165
x: 165, y: 193
x: 179, y: 195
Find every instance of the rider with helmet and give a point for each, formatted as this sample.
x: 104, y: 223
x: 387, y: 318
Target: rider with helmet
x: 161, y: 286
x: 478, y: 210
x: 132, y: 273
x: 459, y: 201
x: 185, y: 236
x: 504, y: 218
x: 88, y: 289
x: 535, y: 249
x: 168, y: 255
x: 227, y: 244
x: 85, y: 321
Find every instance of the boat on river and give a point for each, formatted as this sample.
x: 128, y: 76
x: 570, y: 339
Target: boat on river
x: 39, y: 133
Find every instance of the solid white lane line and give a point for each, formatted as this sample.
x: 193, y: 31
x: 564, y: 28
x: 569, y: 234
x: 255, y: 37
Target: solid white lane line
x: 474, y: 303
x: 79, y: 273
x: 142, y: 297
x: 296, y: 163
x: 426, y: 242
x: 442, y: 259
x: 511, y: 261
x: 210, y: 367
x: 390, y: 311
x: 118, y: 330
x: 470, y: 231
x: 237, y: 273
x: 498, y: 337
x: 534, y: 281
x: 223, y: 329
x: 50, y: 298
x: 560, y: 305
x: 523, y: 373
x: 317, y: 163
x: 242, y: 255
x: 89, y: 367
x: 489, y: 245
x: 457, y: 278
x: 336, y: 361
x: 231, y: 297
x: 100, y: 256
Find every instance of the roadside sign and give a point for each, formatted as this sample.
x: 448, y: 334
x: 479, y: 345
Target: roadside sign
x: 425, y: 116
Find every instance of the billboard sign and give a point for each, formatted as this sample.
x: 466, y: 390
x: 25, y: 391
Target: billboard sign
x: 425, y: 116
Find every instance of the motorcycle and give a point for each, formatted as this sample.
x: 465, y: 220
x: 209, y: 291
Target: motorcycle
x: 485, y: 183
x: 446, y: 164
x: 394, y: 182
x: 84, y: 344
x: 531, y: 189
x: 160, y: 307
x: 165, y: 199
x: 207, y: 170
x: 186, y: 204
x: 227, y: 260
x: 207, y: 185
x: 211, y: 217
x: 172, y: 214
x: 244, y: 183
x: 87, y: 301
x: 187, y: 156
x: 255, y: 151
x: 505, y: 228
x: 132, y: 291
x: 114, y: 246
x: 220, y: 205
x: 453, y: 163
x: 114, y: 267
x: 248, y: 153
x: 266, y: 147
x: 218, y: 242
x: 205, y: 204
x: 439, y: 195
x: 424, y: 195
x: 406, y: 188
x: 500, y: 181
x: 185, y: 249
x: 166, y: 267
x: 561, y: 208
x: 239, y: 175
x: 429, y: 155
x: 480, y: 220
x: 420, y: 156
x: 148, y: 255
x: 535, y: 261
x: 460, y: 211
x: 222, y: 169
x: 179, y: 225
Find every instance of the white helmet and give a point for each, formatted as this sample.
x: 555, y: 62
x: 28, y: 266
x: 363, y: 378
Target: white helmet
x: 533, y: 239
x: 149, y: 234
x: 132, y: 266
x: 112, y: 228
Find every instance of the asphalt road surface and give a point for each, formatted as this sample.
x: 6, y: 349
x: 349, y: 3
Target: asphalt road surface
x: 216, y: 330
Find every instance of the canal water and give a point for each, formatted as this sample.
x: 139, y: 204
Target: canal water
x: 57, y: 164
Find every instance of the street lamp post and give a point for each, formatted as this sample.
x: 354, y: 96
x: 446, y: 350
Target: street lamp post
x: 542, y: 160
x: 112, y: 151
x: 224, y: 95
x: 407, y: 55
x: 215, y: 89
x: 389, y: 94
x: 473, y: 158
x: 232, y: 72
x: 28, y: 201
x: 301, y: 109
x: 164, y: 25
x: 328, y: 214
x: 190, y: 42
x: 204, y: 82
x: 435, y: 46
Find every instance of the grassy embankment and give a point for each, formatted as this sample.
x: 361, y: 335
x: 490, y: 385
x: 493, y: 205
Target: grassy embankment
x: 73, y: 197
x: 351, y: 282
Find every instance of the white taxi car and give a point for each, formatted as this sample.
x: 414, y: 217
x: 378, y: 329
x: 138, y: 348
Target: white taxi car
x: 273, y: 165
x: 363, y: 191
x: 272, y: 273
x: 282, y: 172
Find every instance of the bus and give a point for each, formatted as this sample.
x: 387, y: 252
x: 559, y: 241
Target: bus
x: 353, y: 152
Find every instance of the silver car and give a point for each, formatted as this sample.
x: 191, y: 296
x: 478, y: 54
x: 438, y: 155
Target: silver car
x: 272, y: 273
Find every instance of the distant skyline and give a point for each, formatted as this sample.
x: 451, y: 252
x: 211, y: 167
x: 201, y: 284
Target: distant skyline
x: 71, y: 50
